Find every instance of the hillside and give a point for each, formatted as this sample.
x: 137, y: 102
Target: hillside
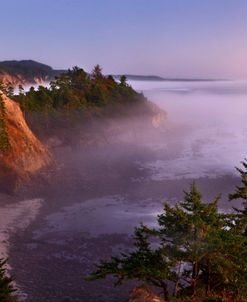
x: 77, y: 109
x: 26, y: 72
x: 21, y: 153
x: 76, y: 102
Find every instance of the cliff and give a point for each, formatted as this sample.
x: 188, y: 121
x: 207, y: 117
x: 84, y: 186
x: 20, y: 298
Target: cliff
x: 21, y: 154
x: 26, y: 72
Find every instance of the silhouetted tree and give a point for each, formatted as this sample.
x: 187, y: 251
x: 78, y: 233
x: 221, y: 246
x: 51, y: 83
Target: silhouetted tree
x: 123, y: 80
x: 241, y: 191
x: 6, y: 284
x: 97, y: 73
x: 196, y: 248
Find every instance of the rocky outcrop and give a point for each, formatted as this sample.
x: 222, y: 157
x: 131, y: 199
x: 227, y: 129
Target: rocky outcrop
x: 142, y: 294
x: 26, y: 72
x: 159, y: 115
x: 18, y: 79
x: 25, y: 154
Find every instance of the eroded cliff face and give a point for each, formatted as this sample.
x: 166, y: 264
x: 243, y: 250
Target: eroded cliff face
x: 18, y: 79
x: 25, y: 154
x: 159, y: 117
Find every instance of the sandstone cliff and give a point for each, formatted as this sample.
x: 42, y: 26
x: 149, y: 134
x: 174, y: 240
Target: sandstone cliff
x: 18, y: 79
x: 25, y: 153
x: 26, y: 72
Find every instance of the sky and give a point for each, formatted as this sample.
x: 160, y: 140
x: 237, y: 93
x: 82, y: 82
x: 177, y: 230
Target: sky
x: 171, y: 38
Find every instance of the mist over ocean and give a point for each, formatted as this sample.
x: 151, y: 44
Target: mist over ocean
x: 208, y: 122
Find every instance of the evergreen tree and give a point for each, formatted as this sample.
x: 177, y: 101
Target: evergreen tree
x: 143, y: 264
x: 241, y: 191
x: 240, y: 229
x: 76, y: 90
x: 195, y: 247
x: 21, y: 89
x: 6, y: 286
x: 9, y: 90
x: 123, y: 80
x: 97, y: 73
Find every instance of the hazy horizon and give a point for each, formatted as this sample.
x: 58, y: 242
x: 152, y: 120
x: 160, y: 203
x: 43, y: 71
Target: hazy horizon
x: 169, y: 38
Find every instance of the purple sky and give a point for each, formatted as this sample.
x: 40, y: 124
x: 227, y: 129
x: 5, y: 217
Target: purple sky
x: 174, y: 38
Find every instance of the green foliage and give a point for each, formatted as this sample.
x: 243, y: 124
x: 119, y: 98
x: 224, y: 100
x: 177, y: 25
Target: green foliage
x: 26, y: 68
x: 75, y: 89
x: 199, y: 250
x: 144, y: 263
x: 4, y: 138
x: 241, y: 191
x: 6, y: 287
x: 97, y: 73
x: 123, y: 80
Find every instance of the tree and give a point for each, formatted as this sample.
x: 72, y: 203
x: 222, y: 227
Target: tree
x: 97, y: 73
x: 123, y: 80
x: 241, y: 191
x: 195, y: 248
x: 6, y: 284
x: 188, y: 231
x: 9, y: 90
x: 76, y: 90
x: 21, y: 89
x: 241, y: 227
x: 143, y: 264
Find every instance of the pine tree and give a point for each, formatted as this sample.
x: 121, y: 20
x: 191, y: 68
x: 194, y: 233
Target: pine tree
x: 143, y: 264
x: 241, y: 191
x: 123, y: 80
x: 6, y: 286
x: 196, y: 248
x: 97, y: 73
x: 240, y: 229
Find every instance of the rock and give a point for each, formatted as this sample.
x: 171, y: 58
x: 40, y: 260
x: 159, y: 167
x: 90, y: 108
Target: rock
x: 16, y: 80
x: 159, y: 116
x: 143, y: 294
x: 26, y: 72
x: 26, y: 154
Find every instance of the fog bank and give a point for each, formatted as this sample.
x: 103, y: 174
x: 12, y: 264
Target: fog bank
x: 209, y: 122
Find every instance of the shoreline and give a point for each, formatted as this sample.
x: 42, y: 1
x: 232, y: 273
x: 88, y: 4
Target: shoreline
x: 15, y: 218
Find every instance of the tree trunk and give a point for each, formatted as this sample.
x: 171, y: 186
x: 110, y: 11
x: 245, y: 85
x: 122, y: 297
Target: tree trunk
x: 165, y: 291
x: 194, y: 278
x: 208, y: 287
x: 176, y: 289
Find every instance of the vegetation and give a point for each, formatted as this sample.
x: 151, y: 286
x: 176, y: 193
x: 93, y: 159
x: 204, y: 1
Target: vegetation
x: 6, y: 286
x: 196, y: 250
x: 241, y: 192
x: 28, y: 69
x: 76, y: 89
